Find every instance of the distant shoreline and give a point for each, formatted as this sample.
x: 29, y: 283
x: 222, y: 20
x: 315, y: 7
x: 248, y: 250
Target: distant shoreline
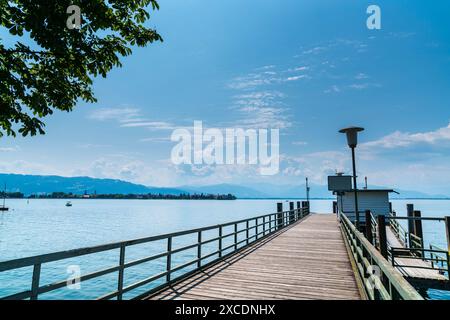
x: 245, y: 198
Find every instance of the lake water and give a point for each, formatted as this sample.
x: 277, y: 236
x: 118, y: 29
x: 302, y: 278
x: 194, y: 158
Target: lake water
x: 44, y: 226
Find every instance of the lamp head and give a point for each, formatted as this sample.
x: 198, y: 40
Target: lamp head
x: 352, y: 135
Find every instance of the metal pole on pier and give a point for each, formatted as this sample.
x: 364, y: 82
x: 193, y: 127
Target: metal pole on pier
x: 307, y: 190
x: 355, y: 187
x: 410, y: 214
x: 447, y: 233
x: 418, y: 229
x: 352, y: 141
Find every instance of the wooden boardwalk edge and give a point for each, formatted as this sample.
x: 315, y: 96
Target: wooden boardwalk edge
x: 359, y: 280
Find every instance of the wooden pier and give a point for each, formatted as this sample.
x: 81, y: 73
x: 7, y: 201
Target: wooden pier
x: 425, y: 268
x: 307, y: 260
x: 411, y: 267
x: 288, y: 254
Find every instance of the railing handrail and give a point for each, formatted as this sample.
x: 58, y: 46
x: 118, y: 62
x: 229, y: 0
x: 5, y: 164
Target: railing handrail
x: 391, y: 217
x: 403, y: 287
x: 72, y: 253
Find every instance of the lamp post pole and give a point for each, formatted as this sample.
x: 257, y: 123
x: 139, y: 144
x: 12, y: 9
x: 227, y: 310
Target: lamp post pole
x: 355, y: 187
x: 307, y: 190
x: 352, y: 141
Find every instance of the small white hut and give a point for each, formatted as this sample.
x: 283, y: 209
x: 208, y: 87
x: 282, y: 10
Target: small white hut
x: 375, y: 200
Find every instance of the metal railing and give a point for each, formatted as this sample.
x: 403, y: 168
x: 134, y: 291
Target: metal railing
x: 374, y: 230
x: 398, y: 230
x: 438, y: 258
x: 414, y: 246
x: 388, y: 283
x: 262, y: 227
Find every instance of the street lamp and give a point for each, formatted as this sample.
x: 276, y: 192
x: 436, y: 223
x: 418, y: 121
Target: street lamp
x: 352, y: 140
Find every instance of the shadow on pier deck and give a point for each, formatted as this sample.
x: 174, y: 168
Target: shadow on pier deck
x: 307, y: 260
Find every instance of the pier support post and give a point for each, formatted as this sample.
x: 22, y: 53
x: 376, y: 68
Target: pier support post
x: 299, y: 209
x: 369, y: 234
x: 305, y: 206
x: 291, y: 212
x: 199, y: 249
x: 121, y: 272
x: 279, y: 215
x: 410, y: 214
x: 381, y: 219
x: 169, y: 259
x: 447, y: 233
x: 418, y: 229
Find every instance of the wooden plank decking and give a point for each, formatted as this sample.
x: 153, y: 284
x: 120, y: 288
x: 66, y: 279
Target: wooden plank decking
x: 417, y: 266
x: 308, y: 260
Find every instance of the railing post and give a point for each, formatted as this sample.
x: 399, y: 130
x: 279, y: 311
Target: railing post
x: 264, y: 226
x: 369, y: 234
x: 305, y: 206
x: 418, y: 229
x: 220, y: 241
x: 393, y: 257
x: 121, y: 270
x: 291, y: 212
x: 35, y: 281
x: 432, y: 258
x: 381, y: 219
x: 410, y: 214
x: 169, y: 258
x: 447, y: 233
x: 299, y: 209
x: 279, y: 215
x: 235, y: 236
x: 199, y: 249
x: 448, y: 264
x: 247, y: 231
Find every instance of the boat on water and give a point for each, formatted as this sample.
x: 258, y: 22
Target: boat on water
x: 68, y: 204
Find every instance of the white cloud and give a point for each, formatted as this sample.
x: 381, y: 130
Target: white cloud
x: 130, y: 118
x: 26, y: 167
x: 156, y: 139
x: 123, y: 114
x: 359, y: 86
x: 260, y: 110
x: 10, y: 149
x: 295, y: 78
x: 333, y: 88
x: 265, y: 78
x: 361, y: 76
x: 152, y: 125
x: 405, y: 139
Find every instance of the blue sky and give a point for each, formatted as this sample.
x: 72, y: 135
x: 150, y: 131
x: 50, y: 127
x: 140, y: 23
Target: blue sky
x: 305, y: 67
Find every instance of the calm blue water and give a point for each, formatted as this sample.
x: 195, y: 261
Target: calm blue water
x: 43, y: 226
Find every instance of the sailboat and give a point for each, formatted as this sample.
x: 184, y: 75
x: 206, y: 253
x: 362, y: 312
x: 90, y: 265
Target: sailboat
x: 4, y: 207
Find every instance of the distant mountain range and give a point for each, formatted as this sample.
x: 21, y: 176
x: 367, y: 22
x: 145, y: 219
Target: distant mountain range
x: 31, y: 184
x: 35, y: 184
